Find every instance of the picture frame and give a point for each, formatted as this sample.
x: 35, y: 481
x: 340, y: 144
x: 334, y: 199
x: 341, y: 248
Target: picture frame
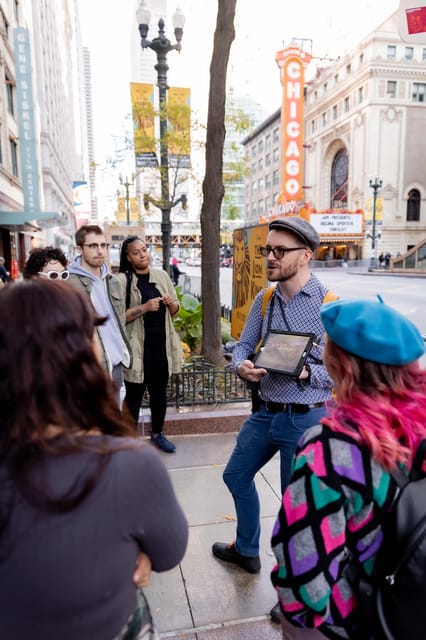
x: 284, y: 352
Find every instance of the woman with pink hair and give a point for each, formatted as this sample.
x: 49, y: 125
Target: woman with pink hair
x: 331, y: 520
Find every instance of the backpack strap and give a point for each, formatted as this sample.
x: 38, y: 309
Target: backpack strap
x: 330, y: 296
x: 266, y: 297
x: 417, y: 468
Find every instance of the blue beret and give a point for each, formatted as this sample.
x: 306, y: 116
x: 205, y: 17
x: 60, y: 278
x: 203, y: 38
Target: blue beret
x: 373, y: 331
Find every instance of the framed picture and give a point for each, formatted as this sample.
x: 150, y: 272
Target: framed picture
x: 284, y: 352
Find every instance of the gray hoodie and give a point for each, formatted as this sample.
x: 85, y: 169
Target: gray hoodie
x: 109, y: 332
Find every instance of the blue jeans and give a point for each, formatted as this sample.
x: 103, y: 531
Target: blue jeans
x: 261, y: 436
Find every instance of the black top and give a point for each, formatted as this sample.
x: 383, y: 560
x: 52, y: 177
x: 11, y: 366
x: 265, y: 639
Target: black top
x: 154, y: 321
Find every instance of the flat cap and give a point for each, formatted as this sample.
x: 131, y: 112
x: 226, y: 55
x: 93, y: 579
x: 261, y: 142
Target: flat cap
x: 299, y: 227
x: 373, y: 331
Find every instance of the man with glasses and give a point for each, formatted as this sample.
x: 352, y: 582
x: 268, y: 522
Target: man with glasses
x: 89, y: 272
x: 287, y: 405
x: 46, y: 262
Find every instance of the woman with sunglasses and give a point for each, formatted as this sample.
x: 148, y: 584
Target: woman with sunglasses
x: 46, y: 262
x: 85, y: 507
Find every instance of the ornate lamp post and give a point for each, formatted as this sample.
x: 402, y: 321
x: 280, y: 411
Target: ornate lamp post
x: 375, y: 184
x: 126, y: 184
x: 162, y: 46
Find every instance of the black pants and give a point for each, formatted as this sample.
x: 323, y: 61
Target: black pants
x: 156, y: 376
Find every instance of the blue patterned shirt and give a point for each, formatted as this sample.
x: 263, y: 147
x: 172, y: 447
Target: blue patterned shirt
x: 302, y: 313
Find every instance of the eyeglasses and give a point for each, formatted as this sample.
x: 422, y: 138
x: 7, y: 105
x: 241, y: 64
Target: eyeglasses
x: 279, y: 252
x: 55, y: 275
x: 94, y: 246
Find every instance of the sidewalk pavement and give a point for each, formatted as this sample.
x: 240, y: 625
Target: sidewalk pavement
x: 204, y: 598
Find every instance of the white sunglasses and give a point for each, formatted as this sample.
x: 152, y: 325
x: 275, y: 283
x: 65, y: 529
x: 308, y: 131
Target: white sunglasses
x: 54, y: 275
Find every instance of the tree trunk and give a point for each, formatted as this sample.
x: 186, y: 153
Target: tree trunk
x: 213, y: 190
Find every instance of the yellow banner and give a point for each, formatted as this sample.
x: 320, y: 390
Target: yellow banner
x: 179, y: 127
x: 142, y: 97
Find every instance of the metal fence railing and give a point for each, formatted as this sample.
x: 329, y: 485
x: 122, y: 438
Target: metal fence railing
x: 200, y: 383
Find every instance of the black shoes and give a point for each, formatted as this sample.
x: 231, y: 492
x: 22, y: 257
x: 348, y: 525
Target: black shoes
x: 161, y: 442
x: 228, y: 553
x: 275, y: 613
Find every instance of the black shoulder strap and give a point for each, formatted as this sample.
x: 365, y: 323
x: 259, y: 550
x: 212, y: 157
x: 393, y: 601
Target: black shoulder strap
x: 417, y: 470
x: 128, y: 281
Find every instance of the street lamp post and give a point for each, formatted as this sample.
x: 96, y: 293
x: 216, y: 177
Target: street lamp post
x: 375, y: 184
x: 126, y: 184
x: 162, y: 46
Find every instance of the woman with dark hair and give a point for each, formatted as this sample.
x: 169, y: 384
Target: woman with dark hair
x: 84, y: 505
x: 46, y: 262
x: 330, y: 526
x: 151, y: 303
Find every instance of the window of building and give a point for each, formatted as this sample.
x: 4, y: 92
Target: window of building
x: 315, y: 94
x: 360, y: 94
x: 260, y: 164
x: 424, y: 54
x: 14, y: 157
x: 253, y: 167
x: 267, y: 203
x: 253, y: 209
x: 260, y: 146
x: 361, y: 58
x: 268, y: 160
x: 312, y: 126
x: 409, y: 53
x: 260, y: 185
x: 391, y: 52
x: 276, y: 154
x: 268, y: 181
x: 260, y: 207
x: 10, y: 92
x: 254, y: 188
x: 391, y: 89
x: 276, y: 135
x: 336, y: 78
x: 274, y: 199
x: 413, y: 206
x: 325, y: 87
x: 339, y: 180
x: 324, y: 119
x: 253, y: 151
x: 275, y: 178
x: 419, y: 90
x: 346, y: 104
x: 268, y: 141
x: 335, y: 112
x: 348, y: 69
x: 4, y: 25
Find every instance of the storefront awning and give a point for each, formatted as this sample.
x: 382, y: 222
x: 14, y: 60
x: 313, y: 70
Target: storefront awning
x: 19, y: 219
x: 341, y: 239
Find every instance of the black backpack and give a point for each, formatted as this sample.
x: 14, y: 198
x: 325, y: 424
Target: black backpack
x: 392, y: 603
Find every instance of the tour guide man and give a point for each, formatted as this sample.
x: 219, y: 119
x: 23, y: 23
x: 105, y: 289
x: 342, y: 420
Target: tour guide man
x: 288, y: 405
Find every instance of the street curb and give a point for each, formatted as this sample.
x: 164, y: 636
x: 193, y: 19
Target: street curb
x: 201, y: 421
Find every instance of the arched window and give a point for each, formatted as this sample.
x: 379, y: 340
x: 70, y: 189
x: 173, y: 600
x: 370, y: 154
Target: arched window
x: 413, y: 206
x: 339, y: 181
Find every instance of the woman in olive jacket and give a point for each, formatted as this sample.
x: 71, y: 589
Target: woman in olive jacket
x: 151, y: 303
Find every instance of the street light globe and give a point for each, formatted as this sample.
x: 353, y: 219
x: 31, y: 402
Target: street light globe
x: 143, y: 14
x: 178, y: 19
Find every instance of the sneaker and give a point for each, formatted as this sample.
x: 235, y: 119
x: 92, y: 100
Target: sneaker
x: 275, y: 613
x: 161, y: 442
x: 228, y: 553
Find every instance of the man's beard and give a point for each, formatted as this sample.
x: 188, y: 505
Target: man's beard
x: 287, y: 274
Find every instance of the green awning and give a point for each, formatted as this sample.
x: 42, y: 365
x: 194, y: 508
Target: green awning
x: 20, y: 219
